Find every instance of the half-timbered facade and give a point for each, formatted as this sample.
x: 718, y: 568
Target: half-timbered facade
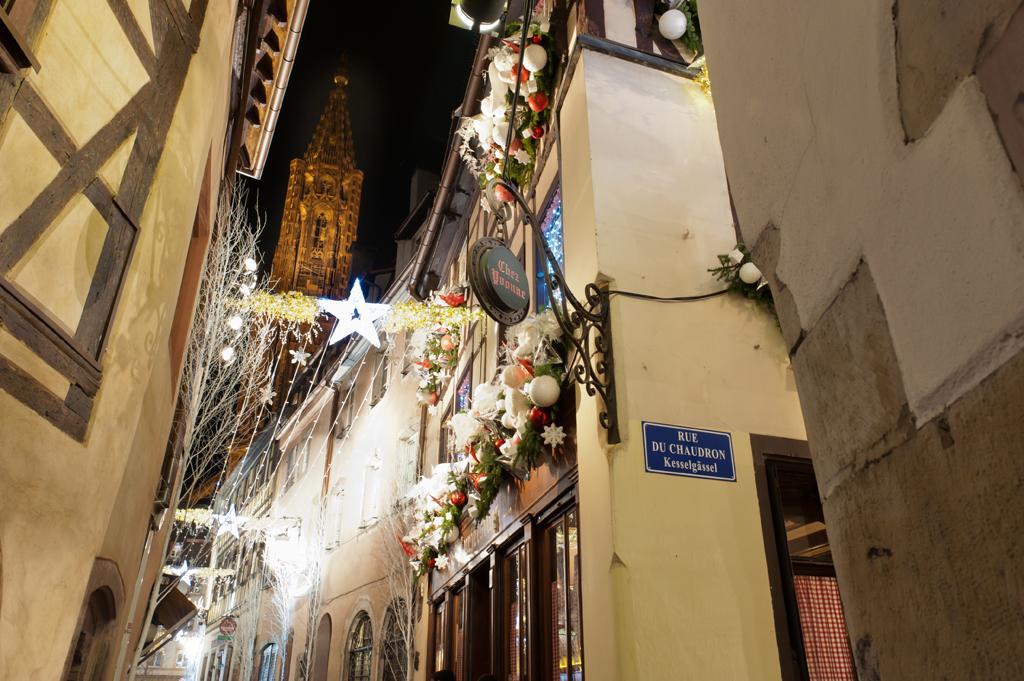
x: 117, y: 122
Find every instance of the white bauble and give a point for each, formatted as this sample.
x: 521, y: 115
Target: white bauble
x: 486, y: 106
x: 483, y: 127
x: 535, y: 58
x: 749, y: 274
x: 544, y: 391
x: 453, y: 535
x: 499, y: 134
x: 508, y: 420
x: 251, y: 265
x: 514, y: 376
x: 672, y: 24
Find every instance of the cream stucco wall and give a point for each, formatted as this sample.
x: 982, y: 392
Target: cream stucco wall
x: 674, y: 574
x: 56, y: 495
x: 820, y: 152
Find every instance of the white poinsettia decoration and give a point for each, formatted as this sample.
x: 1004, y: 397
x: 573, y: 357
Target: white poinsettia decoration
x: 441, y: 562
x: 300, y: 357
x: 268, y: 394
x: 465, y: 426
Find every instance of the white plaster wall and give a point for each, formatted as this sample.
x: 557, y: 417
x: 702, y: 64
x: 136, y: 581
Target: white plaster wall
x: 823, y: 157
x: 352, y: 566
x: 674, y: 574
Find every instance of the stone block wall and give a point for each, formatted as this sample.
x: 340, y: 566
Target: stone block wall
x: 876, y: 172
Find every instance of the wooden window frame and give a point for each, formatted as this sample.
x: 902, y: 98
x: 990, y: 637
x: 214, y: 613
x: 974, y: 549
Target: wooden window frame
x: 15, y: 54
x: 784, y: 453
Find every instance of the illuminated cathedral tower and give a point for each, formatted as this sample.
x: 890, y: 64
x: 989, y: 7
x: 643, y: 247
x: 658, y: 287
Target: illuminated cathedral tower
x: 321, y: 208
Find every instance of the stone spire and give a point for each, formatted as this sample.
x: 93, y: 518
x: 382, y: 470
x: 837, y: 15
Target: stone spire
x: 331, y: 143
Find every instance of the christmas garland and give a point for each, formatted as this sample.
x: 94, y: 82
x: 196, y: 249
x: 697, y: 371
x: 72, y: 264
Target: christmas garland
x: 505, y: 432
x: 488, y: 130
x: 742, y: 276
x: 436, y: 339
x: 291, y: 307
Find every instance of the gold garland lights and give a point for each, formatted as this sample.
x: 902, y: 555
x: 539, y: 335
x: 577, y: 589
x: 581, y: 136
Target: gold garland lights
x: 412, y: 316
x: 199, y: 516
x: 292, y: 307
x: 704, y: 80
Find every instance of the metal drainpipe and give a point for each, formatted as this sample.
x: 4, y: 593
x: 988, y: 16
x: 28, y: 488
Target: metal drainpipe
x: 470, y: 102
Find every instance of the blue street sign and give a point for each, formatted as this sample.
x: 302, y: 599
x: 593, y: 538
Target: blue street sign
x: 693, y: 452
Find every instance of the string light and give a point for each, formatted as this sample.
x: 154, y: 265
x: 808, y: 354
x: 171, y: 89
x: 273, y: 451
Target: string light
x: 292, y: 307
x: 251, y: 265
x: 411, y: 316
x: 227, y: 354
x: 235, y: 323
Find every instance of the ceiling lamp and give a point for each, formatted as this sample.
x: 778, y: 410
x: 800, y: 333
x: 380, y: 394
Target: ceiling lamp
x: 477, y: 15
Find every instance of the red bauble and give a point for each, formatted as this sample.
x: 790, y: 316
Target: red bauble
x: 432, y: 400
x: 537, y: 40
x: 523, y: 74
x: 539, y: 418
x: 458, y: 498
x: 503, y: 194
x: 431, y: 563
x: 537, y: 132
x: 453, y: 299
x: 538, y: 101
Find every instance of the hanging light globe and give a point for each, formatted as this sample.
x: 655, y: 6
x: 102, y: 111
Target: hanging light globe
x: 481, y: 15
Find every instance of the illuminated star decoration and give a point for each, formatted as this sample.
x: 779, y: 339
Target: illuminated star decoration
x: 354, y: 315
x: 229, y: 522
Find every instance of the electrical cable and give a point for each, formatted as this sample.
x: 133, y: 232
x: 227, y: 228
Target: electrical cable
x: 669, y: 299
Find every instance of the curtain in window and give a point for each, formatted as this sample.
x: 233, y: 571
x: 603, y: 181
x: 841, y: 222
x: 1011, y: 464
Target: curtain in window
x: 268, y: 657
x: 826, y: 644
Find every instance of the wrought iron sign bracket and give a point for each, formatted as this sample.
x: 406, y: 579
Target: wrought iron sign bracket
x: 586, y: 324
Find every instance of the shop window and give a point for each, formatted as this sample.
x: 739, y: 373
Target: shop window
x: 394, y: 654
x: 813, y: 640
x: 438, y: 615
x: 551, y: 228
x: 561, y: 600
x: 268, y: 659
x: 458, y: 666
x: 464, y: 390
x: 360, y: 649
x: 446, y: 439
x: 515, y: 616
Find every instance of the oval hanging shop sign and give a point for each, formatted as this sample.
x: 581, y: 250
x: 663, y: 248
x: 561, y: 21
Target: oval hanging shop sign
x: 499, y: 281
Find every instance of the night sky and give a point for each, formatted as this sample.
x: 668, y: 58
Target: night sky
x: 407, y: 73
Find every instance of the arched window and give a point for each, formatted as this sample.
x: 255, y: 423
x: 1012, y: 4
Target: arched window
x: 268, y: 659
x: 360, y: 648
x: 394, y: 655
